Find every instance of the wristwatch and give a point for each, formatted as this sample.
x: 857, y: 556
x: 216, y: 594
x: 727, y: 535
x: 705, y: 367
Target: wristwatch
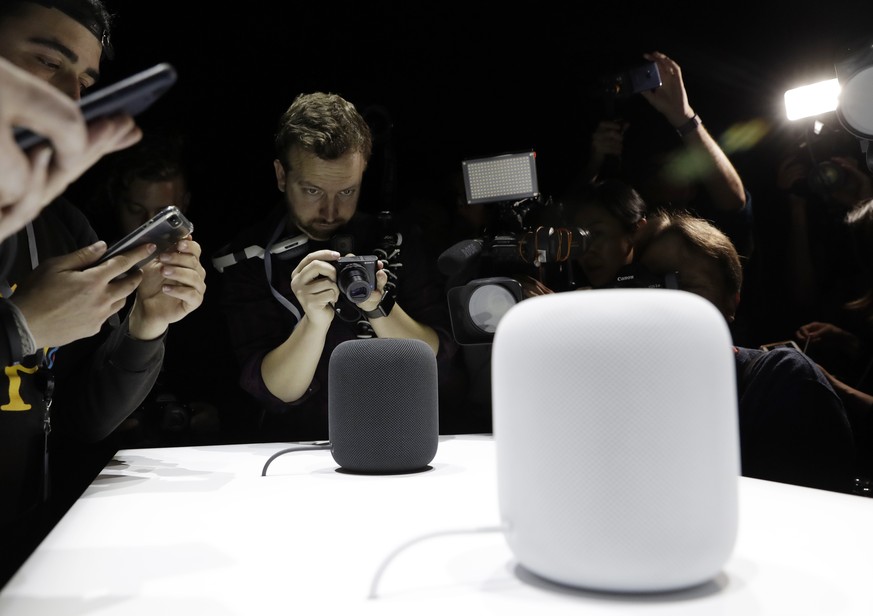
x: 689, y: 126
x: 385, y: 305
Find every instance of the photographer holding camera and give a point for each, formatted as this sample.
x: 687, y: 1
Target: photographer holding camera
x: 820, y: 181
x: 288, y: 312
x: 697, y: 175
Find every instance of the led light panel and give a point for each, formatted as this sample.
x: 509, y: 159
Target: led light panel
x: 507, y: 177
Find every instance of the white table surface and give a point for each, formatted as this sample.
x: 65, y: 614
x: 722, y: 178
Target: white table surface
x: 198, y: 530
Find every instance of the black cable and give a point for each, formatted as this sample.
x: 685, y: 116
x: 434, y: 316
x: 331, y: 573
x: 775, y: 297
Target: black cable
x: 325, y: 445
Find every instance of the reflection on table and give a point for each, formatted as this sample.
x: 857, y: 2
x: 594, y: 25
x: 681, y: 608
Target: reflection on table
x: 198, y: 530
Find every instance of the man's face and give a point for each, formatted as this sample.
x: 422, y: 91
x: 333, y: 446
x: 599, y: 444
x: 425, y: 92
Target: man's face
x: 53, y: 47
x: 610, y: 245
x: 322, y: 195
x: 143, y: 199
x: 698, y: 273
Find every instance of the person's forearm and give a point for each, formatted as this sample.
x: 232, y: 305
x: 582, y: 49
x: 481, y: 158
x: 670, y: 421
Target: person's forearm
x: 858, y: 404
x: 288, y: 369
x: 398, y: 324
x: 110, y: 380
x: 722, y: 181
x: 145, y: 329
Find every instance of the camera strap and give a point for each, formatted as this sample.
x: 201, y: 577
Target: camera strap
x: 268, y: 270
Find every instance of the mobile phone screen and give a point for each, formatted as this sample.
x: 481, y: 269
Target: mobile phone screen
x: 131, y: 95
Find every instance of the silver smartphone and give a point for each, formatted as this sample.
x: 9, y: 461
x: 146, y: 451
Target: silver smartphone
x: 131, y: 95
x: 789, y: 344
x: 164, y: 229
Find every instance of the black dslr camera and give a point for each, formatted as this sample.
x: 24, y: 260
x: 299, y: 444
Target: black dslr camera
x: 356, y: 277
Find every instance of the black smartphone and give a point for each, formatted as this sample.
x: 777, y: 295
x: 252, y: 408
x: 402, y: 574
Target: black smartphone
x: 165, y: 228
x: 131, y: 95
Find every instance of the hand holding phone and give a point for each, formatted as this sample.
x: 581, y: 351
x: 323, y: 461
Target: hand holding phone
x: 132, y: 96
x: 31, y: 179
x: 164, y: 229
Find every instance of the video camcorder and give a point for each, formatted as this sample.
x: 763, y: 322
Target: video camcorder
x: 519, y: 241
x: 484, y: 272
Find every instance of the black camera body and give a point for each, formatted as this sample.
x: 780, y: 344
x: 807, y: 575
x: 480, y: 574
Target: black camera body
x: 356, y: 277
x: 816, y: 152
x: 525, y: 236
x: 825, y: 177
x: 483, y: 273
x: 635, y: 276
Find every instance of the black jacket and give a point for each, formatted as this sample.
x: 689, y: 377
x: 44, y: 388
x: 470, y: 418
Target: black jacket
x: 99, y: 380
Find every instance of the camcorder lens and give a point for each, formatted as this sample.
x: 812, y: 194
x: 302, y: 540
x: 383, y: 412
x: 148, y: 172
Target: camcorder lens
x: 487, y: 306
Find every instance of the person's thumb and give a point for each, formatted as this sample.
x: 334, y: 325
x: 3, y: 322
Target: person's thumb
x: 83, y: 257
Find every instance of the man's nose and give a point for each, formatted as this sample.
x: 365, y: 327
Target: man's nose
x: 329, y: 209
x: 68, y: 83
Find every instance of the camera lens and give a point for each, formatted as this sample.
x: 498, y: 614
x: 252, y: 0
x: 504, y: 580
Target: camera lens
x: 826, y: 176
x: 353, y: 284
x: 487, y: 306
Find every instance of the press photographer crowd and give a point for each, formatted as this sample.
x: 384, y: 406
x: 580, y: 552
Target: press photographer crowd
x: 229, y: 339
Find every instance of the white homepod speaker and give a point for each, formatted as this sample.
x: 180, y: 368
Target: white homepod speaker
x: 616, y: 427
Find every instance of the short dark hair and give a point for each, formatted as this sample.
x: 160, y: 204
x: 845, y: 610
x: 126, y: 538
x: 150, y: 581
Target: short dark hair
x: 92, y: 14
x: 326, y: 125
x: 615, y: 196
x: 701, y: 236
x: 159, y: 156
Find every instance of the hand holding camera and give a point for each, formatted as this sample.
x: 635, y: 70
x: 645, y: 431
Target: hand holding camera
x: 356, y: 277
x: 323, y: 278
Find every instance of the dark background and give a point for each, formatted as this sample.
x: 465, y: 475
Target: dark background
x: 457, y: 82
x: 462, y: 81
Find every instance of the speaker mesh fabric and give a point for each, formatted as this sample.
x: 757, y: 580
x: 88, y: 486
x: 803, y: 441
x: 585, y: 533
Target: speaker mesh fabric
x: 616, y: 425
x: 383, y: 406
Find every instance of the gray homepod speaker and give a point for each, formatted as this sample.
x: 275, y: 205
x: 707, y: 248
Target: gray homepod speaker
x: 383, y: 405
x: 616, y: 429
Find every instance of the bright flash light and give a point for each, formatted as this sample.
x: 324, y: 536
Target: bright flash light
x: 811, y: 100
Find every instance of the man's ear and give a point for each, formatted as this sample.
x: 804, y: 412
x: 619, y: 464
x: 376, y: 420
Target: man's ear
x: 280, y: 174
x: 733, y: 304
x: 639, y: 227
